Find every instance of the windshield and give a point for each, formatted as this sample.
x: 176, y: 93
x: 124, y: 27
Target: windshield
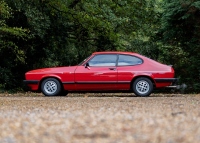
x: 84, y: 60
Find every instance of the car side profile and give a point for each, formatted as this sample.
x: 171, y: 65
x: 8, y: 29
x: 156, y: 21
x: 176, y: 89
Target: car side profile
x: 103, y: 71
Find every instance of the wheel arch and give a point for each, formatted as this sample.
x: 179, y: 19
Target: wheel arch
x: 145, y: 76
x: 46, y: 77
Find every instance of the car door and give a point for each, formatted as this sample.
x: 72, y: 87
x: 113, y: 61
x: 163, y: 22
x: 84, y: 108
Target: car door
x: 99, y: 73
x: 127, y: 67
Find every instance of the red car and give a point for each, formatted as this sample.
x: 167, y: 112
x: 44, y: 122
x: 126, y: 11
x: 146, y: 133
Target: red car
x: 103, y: 71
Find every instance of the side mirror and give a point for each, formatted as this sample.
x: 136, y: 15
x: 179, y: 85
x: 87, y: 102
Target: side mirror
x: 87, y: 65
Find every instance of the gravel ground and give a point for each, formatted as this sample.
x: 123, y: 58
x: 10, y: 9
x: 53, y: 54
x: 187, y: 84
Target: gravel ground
x: 99, y: 118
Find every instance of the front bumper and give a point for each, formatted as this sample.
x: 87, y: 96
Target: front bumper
x: 31, y: 82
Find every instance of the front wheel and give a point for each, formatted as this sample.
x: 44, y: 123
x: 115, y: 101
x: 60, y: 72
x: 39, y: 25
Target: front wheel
x: 142, y: 87
x: 51, y: 87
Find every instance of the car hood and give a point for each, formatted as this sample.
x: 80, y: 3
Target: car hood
x: 53, y: 70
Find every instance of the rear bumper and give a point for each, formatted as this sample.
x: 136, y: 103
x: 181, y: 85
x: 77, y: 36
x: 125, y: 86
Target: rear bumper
x: 166, y: 80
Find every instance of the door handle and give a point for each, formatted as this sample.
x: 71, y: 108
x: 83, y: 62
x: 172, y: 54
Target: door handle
x: 113, y: 69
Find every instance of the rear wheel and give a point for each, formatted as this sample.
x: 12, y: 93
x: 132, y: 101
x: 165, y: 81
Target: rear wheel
x: 142, y: 87
x: 51, y: 87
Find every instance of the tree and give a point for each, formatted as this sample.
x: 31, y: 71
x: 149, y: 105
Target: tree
x: 180, y: 31
x: 12, y: 56
x: 60, y: 32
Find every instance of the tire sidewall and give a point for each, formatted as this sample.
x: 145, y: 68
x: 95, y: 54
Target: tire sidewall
x: 142, y: 79
x: 58, y: 91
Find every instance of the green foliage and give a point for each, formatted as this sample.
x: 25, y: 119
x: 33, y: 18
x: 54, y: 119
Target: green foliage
x: 12, y: 56
x: 180, y: 30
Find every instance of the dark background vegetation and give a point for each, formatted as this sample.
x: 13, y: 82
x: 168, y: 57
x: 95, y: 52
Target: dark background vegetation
x: 46, y: 33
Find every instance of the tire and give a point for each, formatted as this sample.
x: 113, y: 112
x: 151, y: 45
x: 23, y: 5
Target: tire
x: 142, y: 87
x: 51, y: 87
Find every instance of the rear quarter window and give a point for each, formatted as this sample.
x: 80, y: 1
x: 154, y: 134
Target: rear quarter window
x: 127, y: 60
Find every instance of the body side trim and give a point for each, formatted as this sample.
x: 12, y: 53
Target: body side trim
x: 98, y: 82
x: 70, y: 82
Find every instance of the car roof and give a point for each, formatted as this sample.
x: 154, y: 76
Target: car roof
x: 113, y: 52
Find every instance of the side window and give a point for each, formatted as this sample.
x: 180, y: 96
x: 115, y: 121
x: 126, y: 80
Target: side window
x: 126, y: 60
x: 103, y: 60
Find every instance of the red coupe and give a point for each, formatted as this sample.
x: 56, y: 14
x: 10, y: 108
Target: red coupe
x: 103, y: 71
